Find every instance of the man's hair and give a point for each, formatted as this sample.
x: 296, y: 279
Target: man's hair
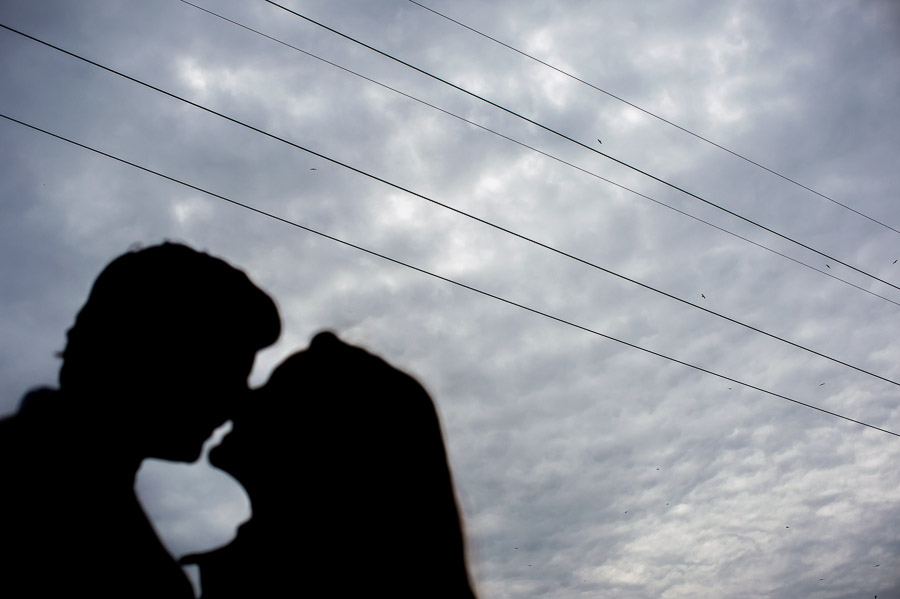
x: 162, y: 304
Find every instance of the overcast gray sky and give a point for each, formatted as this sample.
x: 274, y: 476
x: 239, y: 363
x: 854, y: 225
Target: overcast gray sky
x: 584, y: 468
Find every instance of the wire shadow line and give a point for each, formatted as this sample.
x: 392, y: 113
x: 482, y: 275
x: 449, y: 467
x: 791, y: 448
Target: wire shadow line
x: 443, y: 278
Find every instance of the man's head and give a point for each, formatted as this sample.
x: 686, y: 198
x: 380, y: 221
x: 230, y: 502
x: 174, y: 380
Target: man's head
x: 164, y: 346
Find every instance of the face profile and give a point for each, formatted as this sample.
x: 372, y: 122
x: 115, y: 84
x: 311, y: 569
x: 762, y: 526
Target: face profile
x: 157, y: 358
x: 176, y: 328
x: 337, y: 445
x: 189, y: 406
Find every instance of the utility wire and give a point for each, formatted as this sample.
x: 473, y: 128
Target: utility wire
x: 442, y: 278
x: 453, y: 209
x: 532, y: 148
x: 585, y: 146
x: 656, y: 116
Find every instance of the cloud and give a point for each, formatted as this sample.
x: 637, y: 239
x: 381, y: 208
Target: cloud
x: 552, y: 432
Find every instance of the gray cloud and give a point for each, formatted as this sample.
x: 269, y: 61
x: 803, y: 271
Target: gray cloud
x: 553, y: 433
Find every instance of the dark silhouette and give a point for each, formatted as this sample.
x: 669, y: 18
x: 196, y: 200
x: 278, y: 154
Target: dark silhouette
x: 344, y: 462
x: 155, y: 361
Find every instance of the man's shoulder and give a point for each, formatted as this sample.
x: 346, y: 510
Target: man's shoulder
x: 37, y: 410
x: 62, y: 513
x: 36, y: 402
x: 35, y: 444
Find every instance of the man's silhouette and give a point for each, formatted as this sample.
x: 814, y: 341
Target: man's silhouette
x: 155, y: 361
x: 344, y: 462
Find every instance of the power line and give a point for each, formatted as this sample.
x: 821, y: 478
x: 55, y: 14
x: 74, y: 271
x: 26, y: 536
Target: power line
x: 453, y: 209
x: 656, y: 116
x: 532, y: 148
x: 442, y: 278
x: 587, y: 147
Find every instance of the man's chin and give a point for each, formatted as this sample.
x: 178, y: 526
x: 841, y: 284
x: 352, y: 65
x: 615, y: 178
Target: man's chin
x: 218, y: 458
x: 180, y: 454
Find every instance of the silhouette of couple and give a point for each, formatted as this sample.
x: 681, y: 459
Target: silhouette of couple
x: 341, y: 454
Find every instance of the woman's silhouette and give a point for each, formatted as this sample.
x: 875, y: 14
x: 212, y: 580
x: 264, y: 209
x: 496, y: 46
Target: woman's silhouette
x: 343, y: 458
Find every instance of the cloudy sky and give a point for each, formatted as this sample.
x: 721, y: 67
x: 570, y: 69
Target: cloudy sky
x: 584, y: 467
